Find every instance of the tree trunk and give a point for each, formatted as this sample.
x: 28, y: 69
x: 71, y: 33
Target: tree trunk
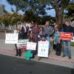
x: 59, y: 17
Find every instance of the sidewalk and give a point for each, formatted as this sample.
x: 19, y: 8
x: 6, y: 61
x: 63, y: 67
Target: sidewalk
x: 9, y: 50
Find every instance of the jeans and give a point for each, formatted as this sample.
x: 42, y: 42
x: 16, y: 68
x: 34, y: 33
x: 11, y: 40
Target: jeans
x: 66, y: 48
x: 18, y: 51
x: 48, y: 39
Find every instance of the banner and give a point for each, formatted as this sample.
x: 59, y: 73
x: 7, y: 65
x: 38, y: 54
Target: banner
x: 11, y: 38
x: 65, y: 36
x: 31, y: 46
x: 43, y: 48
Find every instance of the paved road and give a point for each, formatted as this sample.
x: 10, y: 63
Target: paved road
x: 10, y: 65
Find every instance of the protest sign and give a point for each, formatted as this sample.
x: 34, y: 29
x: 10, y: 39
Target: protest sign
x: 11, y: 38
x: 43, y: 48
x: 22, y: 43
x: 65, y: 36
x: 31, y: 46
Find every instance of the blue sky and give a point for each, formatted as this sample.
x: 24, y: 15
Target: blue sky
x: 8, y: 8
x: 7, y: 5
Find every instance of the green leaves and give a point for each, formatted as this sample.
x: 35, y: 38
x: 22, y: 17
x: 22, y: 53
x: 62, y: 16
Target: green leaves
x: 44, y: 1
x: 10, y: 19
x: 65, y: 3
x: 70, y: 6
x: 70, y: 9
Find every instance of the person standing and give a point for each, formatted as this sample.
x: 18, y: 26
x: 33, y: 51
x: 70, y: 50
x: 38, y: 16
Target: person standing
x: 67, y: 28
x: 48, y: 31
x: 34, y: 36
x: 57, y: 41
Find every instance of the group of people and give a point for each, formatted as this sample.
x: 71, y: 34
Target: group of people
x: 47, y: 32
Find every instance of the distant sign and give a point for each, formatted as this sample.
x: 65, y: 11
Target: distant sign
x: 31, y: 46
x: 11, y: 38
x: 43, y: 48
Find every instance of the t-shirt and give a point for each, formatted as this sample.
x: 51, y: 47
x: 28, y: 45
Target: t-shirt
x: 56, y: 37
x: 48, y: 30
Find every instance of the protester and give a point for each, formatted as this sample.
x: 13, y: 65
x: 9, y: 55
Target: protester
x: 23, y: 33
x: 35, y: 30
x: 57, y: 41
x: 33, y: 36
x: 48, y: 31
x: 67, y: 43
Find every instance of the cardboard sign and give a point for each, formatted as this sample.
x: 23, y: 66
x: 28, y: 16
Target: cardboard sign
x: 65, y: 36
x: 11, y: 38
x: 31, y: 46
x: 43, y: 48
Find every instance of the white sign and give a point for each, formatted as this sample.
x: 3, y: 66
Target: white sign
x: 22, y: 43
x: 11, y: 38
x: 43, y: 48
x: 72, y: 40
x: 31, y: 46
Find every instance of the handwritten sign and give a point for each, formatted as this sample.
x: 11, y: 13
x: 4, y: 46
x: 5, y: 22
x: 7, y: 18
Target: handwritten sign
x: 11, y: 38
x: 31, y: 46
x: 43, y: 48
x: 22, y: 43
